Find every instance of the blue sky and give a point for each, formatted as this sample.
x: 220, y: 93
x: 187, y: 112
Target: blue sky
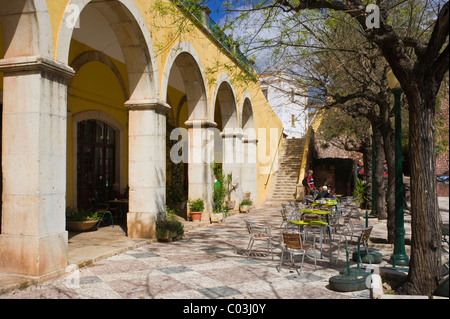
x: 215, y: 6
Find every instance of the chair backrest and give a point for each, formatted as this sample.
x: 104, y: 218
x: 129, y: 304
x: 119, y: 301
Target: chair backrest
x: 257, y: 230
x: 283, y: 215
x: 365, y: 234
x: 293, y: 240
x: 310, y: 217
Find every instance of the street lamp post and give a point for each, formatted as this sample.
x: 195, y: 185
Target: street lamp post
x: 399, y: 258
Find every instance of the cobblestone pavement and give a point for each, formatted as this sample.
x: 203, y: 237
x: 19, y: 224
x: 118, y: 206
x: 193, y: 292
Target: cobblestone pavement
x: 208, y: 263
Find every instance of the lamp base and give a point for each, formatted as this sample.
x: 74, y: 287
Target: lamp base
x: 399, y: 260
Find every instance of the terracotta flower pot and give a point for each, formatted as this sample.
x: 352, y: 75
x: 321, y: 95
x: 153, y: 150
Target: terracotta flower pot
x: 196, y: 216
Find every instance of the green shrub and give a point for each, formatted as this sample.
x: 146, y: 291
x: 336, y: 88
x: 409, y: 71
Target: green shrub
x: 219, y: 191
x: 168, y: 227
x: 80, y: 215
x: 246, y: 201
x: 196, y: 205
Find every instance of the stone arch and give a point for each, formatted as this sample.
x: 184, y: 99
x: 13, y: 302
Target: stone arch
x: 247, y: 116
x: 25, y: 26
x: 90, y: 56
x: 184, y: 56
x: 249, y: 171
x: 224, y: 94
x: 130, y: 29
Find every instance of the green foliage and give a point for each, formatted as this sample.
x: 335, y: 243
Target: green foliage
x: 196, y: 205
x: 230, y: 187
x: 219, y: 191
x: 168, y: 227
x: 245, y: 202
x: 79, y: 215
x: 360, y: 191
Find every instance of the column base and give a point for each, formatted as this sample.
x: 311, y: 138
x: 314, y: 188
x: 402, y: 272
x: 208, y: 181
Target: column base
x: 33, y: 255
x: 141, y: 225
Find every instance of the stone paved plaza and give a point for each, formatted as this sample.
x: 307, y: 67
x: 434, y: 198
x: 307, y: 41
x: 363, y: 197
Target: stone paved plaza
x: 208, y: 263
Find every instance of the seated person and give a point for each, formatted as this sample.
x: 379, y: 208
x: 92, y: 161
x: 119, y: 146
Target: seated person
x: 325, y: 194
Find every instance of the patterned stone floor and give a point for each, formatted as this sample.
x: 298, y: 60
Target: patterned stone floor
x: 208, y: 263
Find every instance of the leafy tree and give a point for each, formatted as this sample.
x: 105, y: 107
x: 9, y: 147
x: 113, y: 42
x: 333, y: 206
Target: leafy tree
x: 412, y: 35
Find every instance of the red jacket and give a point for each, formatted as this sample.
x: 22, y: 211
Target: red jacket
x: 310, y: 181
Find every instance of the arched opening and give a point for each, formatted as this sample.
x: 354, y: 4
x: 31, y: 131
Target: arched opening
x: 110, y: 97
x: 188, y: 174
x: 248, y: 124
x: 228, y: 137
x: 249, y: 166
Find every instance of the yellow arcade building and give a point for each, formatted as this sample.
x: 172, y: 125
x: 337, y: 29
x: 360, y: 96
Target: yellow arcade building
x: 105, y: 95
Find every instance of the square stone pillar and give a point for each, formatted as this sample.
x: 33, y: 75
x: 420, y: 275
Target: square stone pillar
x: 233, y: 159
x: 147, y: 166
x: 200, y: 158
x: 33, y: 239
x: 249, y: 169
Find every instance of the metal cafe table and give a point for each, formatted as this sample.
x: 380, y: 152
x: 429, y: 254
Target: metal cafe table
x: 313, y: 223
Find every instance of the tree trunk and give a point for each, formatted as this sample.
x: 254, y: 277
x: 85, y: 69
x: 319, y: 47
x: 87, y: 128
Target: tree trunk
x: 389, y: 151
x: 367, y: 162
x: 425, y: 261
x: 380, y: 193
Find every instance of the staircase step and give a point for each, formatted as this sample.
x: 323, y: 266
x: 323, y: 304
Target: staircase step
x: 284, y: 184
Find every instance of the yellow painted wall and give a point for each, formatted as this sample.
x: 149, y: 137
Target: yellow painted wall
x: 165, y: 30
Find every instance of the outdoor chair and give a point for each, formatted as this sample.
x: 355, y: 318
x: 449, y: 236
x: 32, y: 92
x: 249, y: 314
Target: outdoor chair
x: 104, y: 212
x: 293, y: 242
x: 363, y: 239
x: 288, y: 213
x: 352, y: 204
x: 341, y: 224
x: 259, y: 232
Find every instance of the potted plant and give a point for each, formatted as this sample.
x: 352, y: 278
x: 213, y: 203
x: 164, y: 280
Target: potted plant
x: 79, y: 220
x: 168, y: 228
x: 230, y: 188
x: 219, y: 190
x: 217, y: 216
x: 196, y: 209
x: 245, y: 205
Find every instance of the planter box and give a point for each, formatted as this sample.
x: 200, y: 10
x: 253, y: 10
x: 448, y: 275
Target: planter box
x: 245, y: 208
x: 216, y: 218
x: 231, y: 204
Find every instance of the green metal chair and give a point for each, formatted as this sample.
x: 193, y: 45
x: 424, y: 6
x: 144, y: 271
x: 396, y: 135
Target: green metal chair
x: 105, y: 212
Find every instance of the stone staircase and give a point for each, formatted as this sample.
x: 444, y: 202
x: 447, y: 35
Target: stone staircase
x: 284, y: 182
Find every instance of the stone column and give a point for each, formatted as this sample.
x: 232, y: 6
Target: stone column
x: 146, y: 166
x: 33, y: 239
x: 233, y: 159
x: 249, y: 173
x: 201, y: 156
